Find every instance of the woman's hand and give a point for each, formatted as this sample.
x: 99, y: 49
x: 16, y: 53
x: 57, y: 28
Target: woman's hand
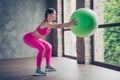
x: 73, y: 22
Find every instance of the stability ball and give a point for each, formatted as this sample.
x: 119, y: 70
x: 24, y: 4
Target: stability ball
x: 87, y: 22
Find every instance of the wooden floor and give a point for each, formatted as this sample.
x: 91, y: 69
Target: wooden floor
x: 67, y: 69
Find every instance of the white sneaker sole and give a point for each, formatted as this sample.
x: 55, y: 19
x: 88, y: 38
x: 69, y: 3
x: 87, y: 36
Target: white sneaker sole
x: 49, y: 70
x: 37, y: 74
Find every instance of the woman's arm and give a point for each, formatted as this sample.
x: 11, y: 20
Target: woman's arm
x: 68, y: 24
x: 62, y: 25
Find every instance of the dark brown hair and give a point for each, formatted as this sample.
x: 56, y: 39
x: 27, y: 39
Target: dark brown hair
x: 49, y: 11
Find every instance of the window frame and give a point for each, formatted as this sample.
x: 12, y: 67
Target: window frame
x: 63, y: 30
x: 92, y: 42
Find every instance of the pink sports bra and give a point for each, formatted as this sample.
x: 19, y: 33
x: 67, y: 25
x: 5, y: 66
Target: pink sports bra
x: 43, y: 31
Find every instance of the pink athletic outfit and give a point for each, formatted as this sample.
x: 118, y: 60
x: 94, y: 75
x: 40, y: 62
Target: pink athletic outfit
x: 39, y: 44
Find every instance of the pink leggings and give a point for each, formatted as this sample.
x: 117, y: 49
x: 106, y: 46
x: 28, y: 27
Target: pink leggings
x: 41, y: 45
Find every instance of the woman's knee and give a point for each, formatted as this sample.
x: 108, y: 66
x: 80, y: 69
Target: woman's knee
x: 49, y: 47
x: 41, y: 48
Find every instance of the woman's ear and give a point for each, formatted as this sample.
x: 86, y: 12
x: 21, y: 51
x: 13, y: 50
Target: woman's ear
x: 48, y: 15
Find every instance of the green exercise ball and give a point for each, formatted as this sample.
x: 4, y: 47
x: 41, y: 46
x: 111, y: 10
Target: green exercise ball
x: 87, y: 22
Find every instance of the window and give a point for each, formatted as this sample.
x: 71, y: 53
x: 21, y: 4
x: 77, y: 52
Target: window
x: 106, y: 46
x: 69, y: 6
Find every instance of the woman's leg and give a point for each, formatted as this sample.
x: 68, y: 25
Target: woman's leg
x: 48, y: 47
x: 32, y: 41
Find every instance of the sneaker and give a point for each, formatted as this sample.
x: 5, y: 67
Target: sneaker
x: 40, y: 73
x: 49, y: 69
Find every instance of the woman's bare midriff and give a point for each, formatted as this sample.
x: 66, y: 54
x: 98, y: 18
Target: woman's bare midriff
x: 37, y: 35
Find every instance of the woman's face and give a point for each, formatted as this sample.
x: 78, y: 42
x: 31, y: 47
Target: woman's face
x: 52, y: 16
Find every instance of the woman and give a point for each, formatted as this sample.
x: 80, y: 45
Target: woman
x: 34, y: 39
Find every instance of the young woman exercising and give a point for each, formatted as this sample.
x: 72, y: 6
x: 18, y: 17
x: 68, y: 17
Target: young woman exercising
x: 34, y: 39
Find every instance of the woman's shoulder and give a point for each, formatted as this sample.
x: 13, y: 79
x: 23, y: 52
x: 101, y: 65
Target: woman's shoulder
x: 43, y: 25
x: 47, y: 24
